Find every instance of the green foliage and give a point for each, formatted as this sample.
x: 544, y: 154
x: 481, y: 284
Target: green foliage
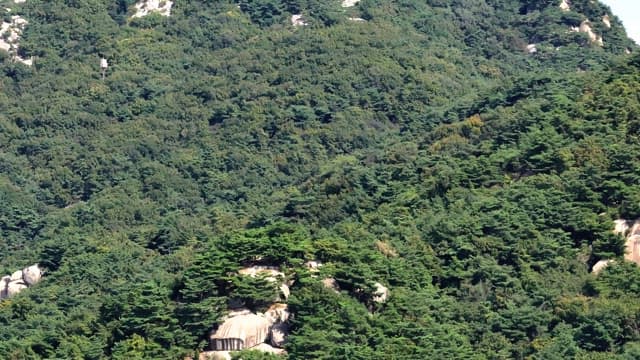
x: 423, y: 149
x: 253, y: 355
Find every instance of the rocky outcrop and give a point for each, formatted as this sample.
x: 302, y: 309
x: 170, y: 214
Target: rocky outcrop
x: 146, y: 7
x: 532, y: 48
x: 4, y: 283
x: 606, y: 21
x: 620, y: 226
x: 278, y: 334
x: 631, y: 231
x: 349, y: 3
x: 277, y: 313
x: 381, y: 294
x: 565, y: 5
x: 16, y: 276
x: 585, y: 27
x: 11, y: 285
x: 10, y: 32
x: 632, y: 243
x: 331, y: 283
x: 313, y: 265
x: 242, y: 329
x: 269, y: 349
x: 240, y: 332
x: 298, y: 20
x: 32, y: 274
x: 14, y: 287
x: 270, y: 273
x: 600, y: 265
x: 215, y: 355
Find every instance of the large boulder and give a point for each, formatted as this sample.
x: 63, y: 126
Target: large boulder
x: 600, y: 265
x: 268, y: 349
x: 16, y: 275
x: 278, y: 334
x: 621, y: 226
x: 32, y: 274
x: 313, y: 265
x: 146, y: 7
x: 349, y: 3
x: 15, y: 287
x: 240, y: 332
x: 277, y: 313
x: 4, y: 283
x: 285, y: 291
x: 236, y: 312
x: 331, y: 283
x: 215, y: 355
x: 632, y: 252
x: 271, y: 274
x: 631, y: 231
x: 381, y: 294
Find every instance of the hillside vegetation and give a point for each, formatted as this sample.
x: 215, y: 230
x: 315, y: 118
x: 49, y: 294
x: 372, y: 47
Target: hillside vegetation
x: 425, y: 148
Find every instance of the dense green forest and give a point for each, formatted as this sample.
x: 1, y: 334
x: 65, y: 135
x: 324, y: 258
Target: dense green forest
x: 423, y: 147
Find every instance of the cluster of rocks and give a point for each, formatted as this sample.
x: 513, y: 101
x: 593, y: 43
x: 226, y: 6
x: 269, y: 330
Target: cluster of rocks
x: 267, y: 332
x: 146, y: 7
x: 243, y: 329
x: 163, y: 7
x: 631, y: 231
x: 11, y: 285
x: 299, y: 20
x: 10, y: 32
x: 585, y: 27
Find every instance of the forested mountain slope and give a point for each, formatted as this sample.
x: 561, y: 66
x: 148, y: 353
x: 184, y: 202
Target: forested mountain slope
x: 426, y: 148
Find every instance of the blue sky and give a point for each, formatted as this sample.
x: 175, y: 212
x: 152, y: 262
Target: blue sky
x: 629, y: 12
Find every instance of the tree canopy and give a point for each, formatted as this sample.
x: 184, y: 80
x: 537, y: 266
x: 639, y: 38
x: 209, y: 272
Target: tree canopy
x: 422, y: 146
